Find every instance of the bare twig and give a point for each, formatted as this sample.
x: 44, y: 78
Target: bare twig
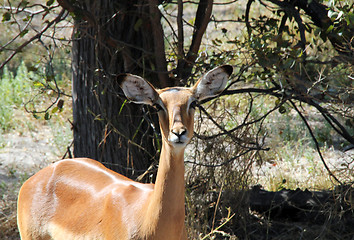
x: 244, y: 124
x: 17, y: 10
x: 224, y: 162
x: 37, y: 36
x: 247, y: 16
x: 17, y: 36
x: 85, y: 15
x: 237, y: 140
x: 315, y: 141
x: 335, y: 124
x: 217, y: 205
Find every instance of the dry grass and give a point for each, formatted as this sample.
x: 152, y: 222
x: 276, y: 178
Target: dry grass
x: 8, y: 223
x: 8, y: 196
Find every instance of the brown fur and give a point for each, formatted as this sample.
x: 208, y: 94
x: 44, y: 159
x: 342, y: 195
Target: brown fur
x: 82, y: 199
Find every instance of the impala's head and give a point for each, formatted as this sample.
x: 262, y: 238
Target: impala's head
x: 175, y: 105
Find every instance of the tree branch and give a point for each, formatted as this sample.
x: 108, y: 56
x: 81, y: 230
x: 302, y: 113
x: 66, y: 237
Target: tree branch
x: 37, y: 36
x: 159, y: 45
x: 228, y: 133
x: 333, y: 122
x: 319, y: 15
x: 290, y: 10
x: 180, y: 39
x: 79, y: 12
x: 244, y: 123
x: 247, y: 15
x: 315, y: 141
x: 201, y: 22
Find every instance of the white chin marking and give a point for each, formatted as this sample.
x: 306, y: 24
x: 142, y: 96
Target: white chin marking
x: 178, y: 143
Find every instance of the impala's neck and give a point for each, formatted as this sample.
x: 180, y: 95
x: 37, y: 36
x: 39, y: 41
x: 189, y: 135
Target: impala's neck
x: 169, y: 186
x: 166, y: 208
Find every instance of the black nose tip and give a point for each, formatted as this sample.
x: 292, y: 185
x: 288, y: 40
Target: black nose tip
x: 179, y: 132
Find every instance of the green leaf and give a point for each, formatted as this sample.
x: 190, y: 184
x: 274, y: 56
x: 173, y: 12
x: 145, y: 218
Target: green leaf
x: 349, y: 123
x: 38, y: 84
x: 49, y: 3
x: 26, y: 19
x: 121, y: 107
x: 329, y: 29
x: 350, y: 20
x: 23, y: 4
x: 138, y: 24
x: 282, y: 109
x: 36, y: 116
x: 50, y: 77
x: 32, y: 69
x: 47, y: 116
x: 153, y: 68
x: 54, y: 110
x: 23, y: 33
x: 6, y: 16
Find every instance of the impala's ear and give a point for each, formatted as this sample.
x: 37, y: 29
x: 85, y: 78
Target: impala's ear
x: 137, y: 89
x: 213, y: 82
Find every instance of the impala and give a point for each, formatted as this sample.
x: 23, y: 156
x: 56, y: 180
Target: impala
x: 82, y: 199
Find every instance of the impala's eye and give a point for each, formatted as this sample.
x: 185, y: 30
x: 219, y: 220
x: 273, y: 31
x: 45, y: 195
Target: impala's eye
x: 193, y: 105
x: 157, y: 107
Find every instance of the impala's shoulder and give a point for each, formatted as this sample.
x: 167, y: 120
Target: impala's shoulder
x: 130, y: 185
x: 130, y: 192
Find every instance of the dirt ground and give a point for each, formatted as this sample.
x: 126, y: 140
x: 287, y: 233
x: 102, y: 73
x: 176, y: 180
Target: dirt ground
x: 24, y: 154
x: 20, y: 157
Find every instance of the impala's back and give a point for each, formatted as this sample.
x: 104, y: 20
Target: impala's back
x: 64, y: 201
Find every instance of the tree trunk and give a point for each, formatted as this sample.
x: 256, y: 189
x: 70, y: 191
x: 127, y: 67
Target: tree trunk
x: 109, y: 38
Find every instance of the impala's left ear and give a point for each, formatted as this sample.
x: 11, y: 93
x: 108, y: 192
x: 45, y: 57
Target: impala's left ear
x: 213, y: 82
x: 137, y: 89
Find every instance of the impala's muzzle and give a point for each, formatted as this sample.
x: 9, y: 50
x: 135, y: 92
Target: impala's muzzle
x: 178, y: 135
x: 178, y: 132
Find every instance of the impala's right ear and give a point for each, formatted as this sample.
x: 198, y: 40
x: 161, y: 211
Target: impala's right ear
x: 137, y: 89
x: 213, y: 82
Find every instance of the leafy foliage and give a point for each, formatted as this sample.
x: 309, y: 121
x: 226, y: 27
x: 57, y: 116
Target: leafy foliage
x: 14, y: 89
x: 28, y: 88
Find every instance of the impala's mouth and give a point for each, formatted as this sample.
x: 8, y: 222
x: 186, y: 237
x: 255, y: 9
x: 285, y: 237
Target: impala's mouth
x: 178, y: 141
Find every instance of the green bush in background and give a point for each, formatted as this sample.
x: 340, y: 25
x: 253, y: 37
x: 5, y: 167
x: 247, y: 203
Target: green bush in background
x: 15, y: 90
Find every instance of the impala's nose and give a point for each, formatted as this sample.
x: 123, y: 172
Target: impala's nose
x: 178, y: 134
